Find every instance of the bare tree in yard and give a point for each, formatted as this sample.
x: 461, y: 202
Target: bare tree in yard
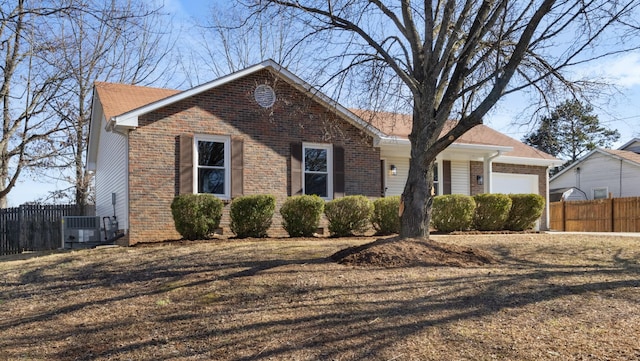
x: 456, y: 59
x: 122, y: 41
x: 224, y: 46
x: 30, y: 81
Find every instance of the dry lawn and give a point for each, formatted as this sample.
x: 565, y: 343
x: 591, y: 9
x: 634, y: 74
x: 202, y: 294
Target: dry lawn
x: 549, y: 297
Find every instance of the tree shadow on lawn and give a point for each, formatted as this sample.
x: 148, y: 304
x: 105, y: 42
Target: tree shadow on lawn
x: 286, y: 307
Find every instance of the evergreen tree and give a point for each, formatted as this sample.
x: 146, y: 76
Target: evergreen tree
x: 570, y: 131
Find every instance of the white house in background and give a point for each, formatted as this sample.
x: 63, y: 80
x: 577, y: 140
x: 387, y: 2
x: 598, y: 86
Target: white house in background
x: 601, y: 173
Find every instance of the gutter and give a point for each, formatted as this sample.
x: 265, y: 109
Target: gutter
x: 114, y: 127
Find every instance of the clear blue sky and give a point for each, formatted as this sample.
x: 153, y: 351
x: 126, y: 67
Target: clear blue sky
x: 622, y: 112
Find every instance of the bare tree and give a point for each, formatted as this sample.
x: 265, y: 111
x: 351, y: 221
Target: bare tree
x: 455, y: 59
x: 123, y: 41
x: 228, y: 41
x: 29, y: 83
x: 53, y: 53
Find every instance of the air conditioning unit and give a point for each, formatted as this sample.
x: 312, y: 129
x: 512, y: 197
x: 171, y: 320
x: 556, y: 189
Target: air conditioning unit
x: 80, y: 232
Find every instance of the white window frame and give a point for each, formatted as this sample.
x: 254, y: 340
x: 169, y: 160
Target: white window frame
x: 226, y: 140
x: 605, y: 189
x: 329, y: 149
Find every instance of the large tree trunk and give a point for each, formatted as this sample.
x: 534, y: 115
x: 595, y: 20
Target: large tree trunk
x: 416, y: 201
x: 417, y: 196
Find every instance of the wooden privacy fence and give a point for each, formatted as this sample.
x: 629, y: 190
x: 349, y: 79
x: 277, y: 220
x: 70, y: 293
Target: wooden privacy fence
x: 35, y: 227
x: 601, y: 215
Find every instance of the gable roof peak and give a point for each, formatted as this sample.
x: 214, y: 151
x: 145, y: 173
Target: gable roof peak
x: 632, y: 145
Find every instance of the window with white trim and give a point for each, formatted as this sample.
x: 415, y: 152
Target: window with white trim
x: 317, y: 166
x: 600, y: 193
x: 212, y: 157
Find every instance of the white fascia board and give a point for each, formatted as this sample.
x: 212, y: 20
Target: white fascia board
x: 480, y: 147
x: 95, y: 128
x: 528, y: 161
x: 129, y: 120
x: 326, y: 101
x: 615, y: 156
x: 475, y: 148
x: 391, y: 141
x: 633, y: 140
x: 572, y: 165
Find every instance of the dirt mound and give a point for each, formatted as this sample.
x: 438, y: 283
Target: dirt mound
x: 410, y: 252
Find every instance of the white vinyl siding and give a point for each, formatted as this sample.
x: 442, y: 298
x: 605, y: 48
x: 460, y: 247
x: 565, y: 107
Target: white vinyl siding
x: 460, y: 177
x: 112, y: 176
x: 599, y: 171
x: 395, y: 184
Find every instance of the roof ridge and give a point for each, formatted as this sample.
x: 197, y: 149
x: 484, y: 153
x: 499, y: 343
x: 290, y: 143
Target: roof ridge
x: 99, y: 83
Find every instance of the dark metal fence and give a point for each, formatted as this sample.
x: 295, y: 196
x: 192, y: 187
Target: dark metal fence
x: 35, y: 227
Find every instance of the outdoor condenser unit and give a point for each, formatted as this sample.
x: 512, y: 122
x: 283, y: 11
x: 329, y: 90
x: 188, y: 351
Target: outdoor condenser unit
x: 80, y: 232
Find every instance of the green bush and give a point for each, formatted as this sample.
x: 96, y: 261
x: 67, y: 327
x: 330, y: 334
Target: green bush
x: 492, y: 211
x: 525, y: 210
x: 452, y: 212
x: 385, y: 219
x: 301, y: 215
x: 196, y: 216
x: 251, y: 215
x: 348, y: 215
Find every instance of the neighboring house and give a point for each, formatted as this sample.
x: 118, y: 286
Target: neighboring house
x: 602, y: 173
x: 263, y: 130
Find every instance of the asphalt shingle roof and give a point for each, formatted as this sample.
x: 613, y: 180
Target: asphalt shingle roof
x: 117, y: 99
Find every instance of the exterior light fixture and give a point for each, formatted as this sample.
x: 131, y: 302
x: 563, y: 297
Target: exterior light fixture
x: 480, y: 180
x: 394, y: 170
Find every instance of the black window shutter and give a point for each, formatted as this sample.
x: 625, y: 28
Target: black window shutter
x: 338, y: 171
x: 446, y: 177
x: 296, y: 169
x: 186, y: 164
x: 237, y: 167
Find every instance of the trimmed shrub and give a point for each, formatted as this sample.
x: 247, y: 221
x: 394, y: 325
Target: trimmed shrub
x: 385, y: 219
x: 301, y: 215
x: 525, y: 210
x: 492, y: 211
x: 196, y: 216
x: 452, y: 212
x: 348, y: 215
x: 251, y: 215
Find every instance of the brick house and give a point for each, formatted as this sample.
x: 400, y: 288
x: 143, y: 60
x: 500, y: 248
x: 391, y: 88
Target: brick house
x: 263, y: 130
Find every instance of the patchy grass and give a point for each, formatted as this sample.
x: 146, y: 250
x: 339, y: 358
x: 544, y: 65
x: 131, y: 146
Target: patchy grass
x: 548, y: 297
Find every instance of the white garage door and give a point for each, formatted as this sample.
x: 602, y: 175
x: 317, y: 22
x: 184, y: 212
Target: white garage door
x: 514, y: 183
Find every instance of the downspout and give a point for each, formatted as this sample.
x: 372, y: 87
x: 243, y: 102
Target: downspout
x: 620, y: 176
x: 488, y: 171
x: 546, y: 201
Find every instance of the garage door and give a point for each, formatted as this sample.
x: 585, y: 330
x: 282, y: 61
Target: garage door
x: 514, y: 183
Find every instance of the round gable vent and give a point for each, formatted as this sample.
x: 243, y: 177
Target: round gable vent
x: 264, y: 95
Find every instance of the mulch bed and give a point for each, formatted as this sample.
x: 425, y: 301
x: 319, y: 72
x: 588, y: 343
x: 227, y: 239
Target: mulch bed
x: 410, y: 252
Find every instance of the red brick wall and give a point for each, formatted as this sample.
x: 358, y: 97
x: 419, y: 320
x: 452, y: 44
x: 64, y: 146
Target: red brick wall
x: 477, y: 168
x: 231, y: 110
x: 541, y: 172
